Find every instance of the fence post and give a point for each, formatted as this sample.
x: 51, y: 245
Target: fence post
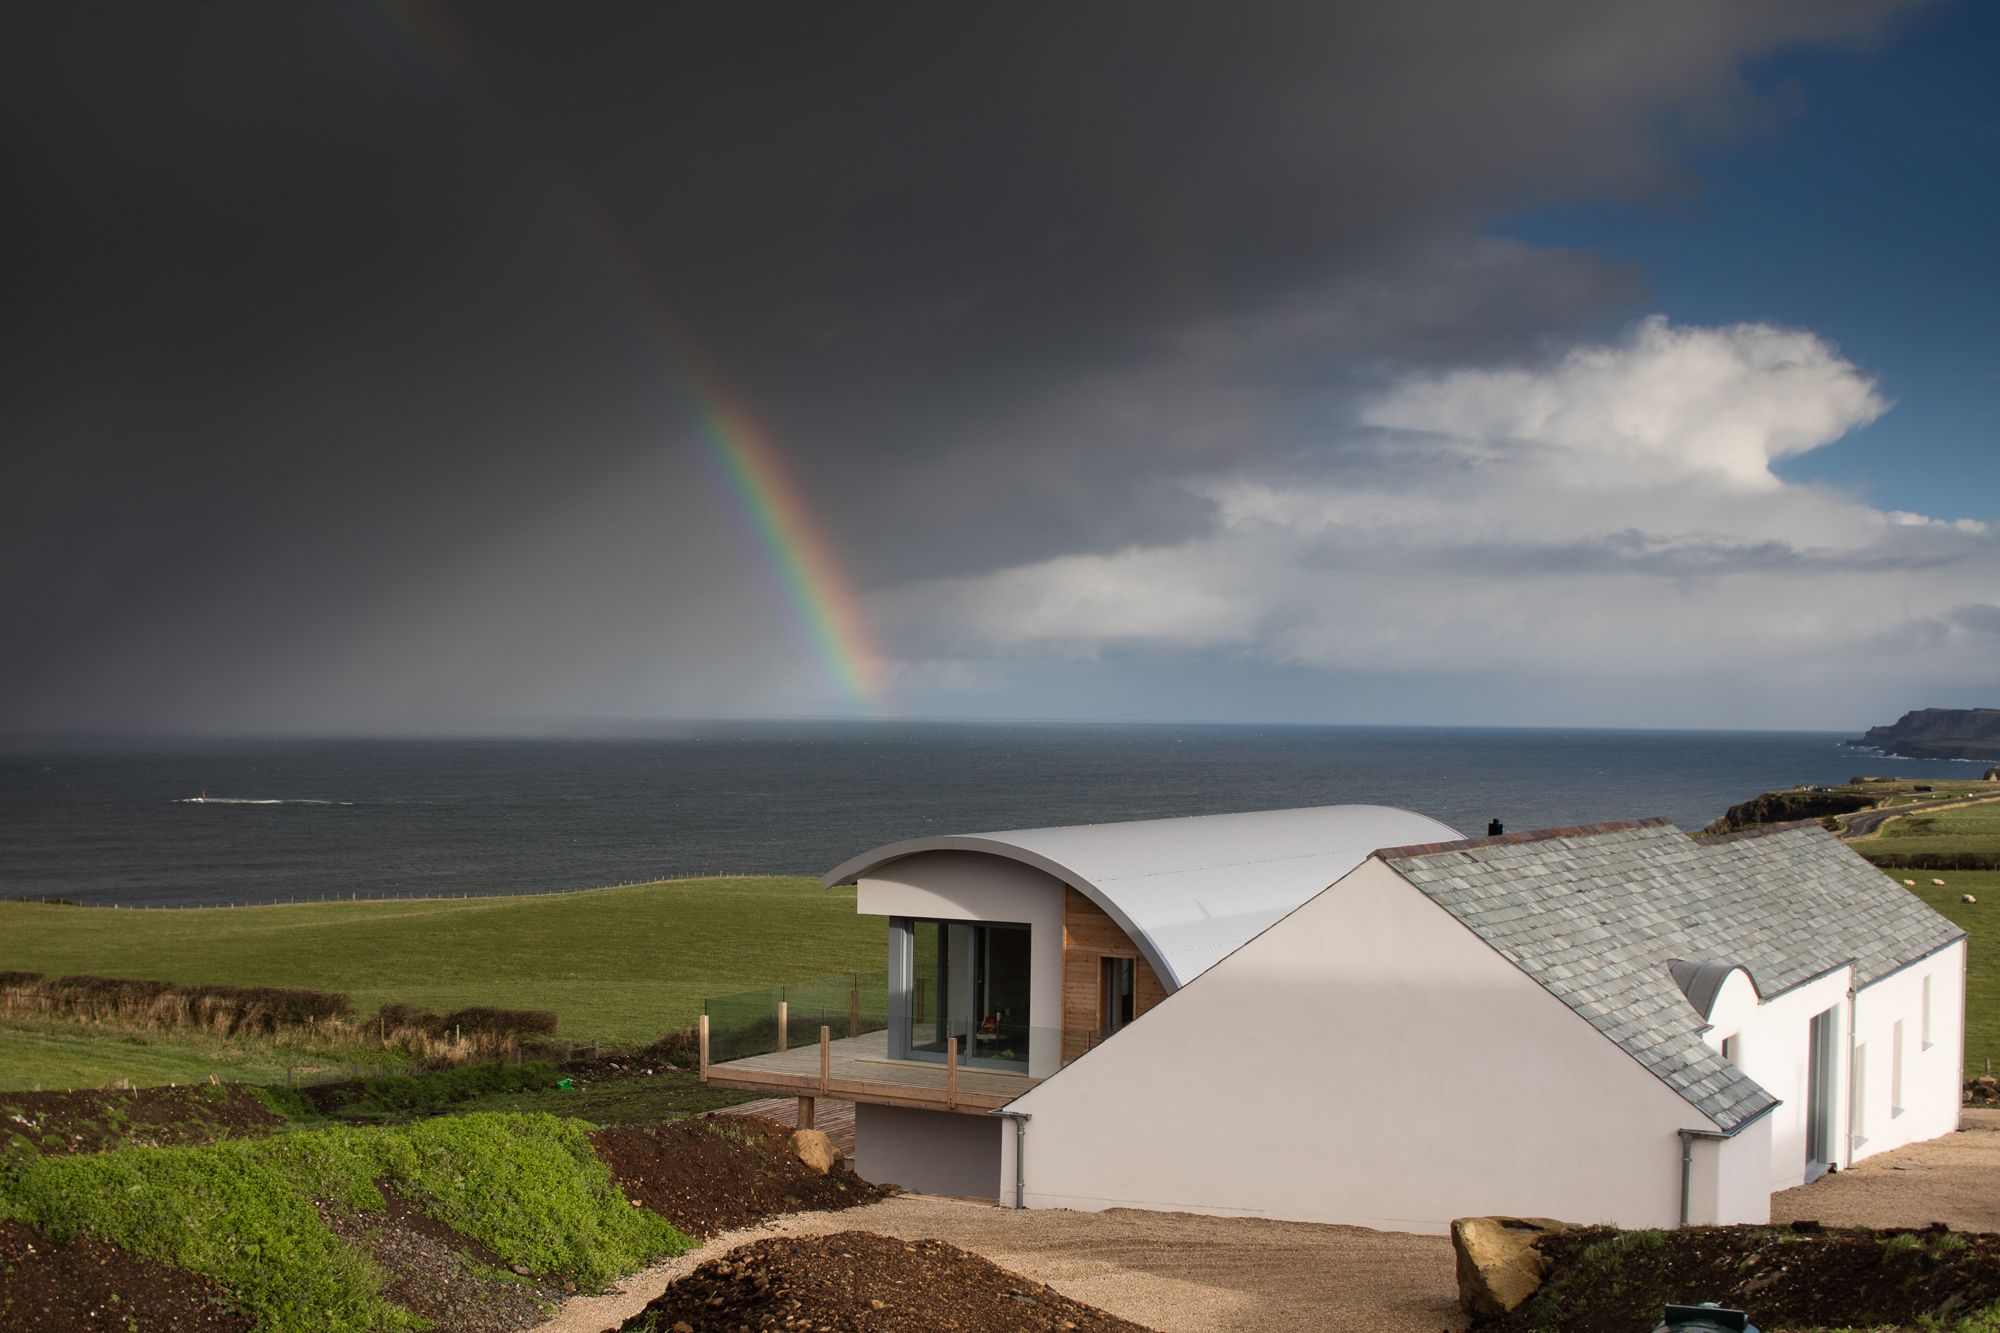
x: 825, y: 1057
x: 704, y: 1048
x: 951, y: 1072
x: 784, y: 1023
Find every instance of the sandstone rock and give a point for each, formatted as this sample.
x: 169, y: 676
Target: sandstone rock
x: 1498, y: 1265
x: 812, y: 1147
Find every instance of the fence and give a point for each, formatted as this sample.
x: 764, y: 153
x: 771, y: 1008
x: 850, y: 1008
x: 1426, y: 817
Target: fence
x: 776, y: 1018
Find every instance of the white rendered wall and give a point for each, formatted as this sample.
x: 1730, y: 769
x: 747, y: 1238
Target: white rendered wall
x: 1726, y: 1185
x: 1931, y: 1074
x: 1370, y: 1061
x: 931, y: 1152
x: 1773, y: 1048
x: 972, y: 886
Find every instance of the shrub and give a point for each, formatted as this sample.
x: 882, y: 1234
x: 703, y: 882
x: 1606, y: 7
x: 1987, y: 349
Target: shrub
x: 502, y: 1022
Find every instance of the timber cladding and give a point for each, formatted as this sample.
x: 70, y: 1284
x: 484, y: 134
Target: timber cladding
x: 1089, y: 937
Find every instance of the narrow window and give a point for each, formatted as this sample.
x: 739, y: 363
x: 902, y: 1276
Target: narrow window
x: 1119, y: 976
x: 1732, y: 1048
x: 1925, y: 1029
x: 1896, y: 1068
x: 1857, y: 1099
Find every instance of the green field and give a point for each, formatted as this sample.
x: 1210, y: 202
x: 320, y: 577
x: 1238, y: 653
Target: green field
x: 1981, y: 921
x: 61, y: 1055
x: 623, y: 964
x: 1966, y: 828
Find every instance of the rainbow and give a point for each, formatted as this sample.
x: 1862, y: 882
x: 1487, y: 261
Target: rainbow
x: 802, y: 559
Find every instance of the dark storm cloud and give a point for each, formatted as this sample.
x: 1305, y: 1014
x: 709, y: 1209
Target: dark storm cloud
x: 321, y: 376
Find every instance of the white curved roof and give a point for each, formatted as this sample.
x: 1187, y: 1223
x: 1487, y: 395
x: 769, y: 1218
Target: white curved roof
x: 1190, y: 891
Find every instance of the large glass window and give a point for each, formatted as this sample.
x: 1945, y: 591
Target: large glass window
x: 962, y: 979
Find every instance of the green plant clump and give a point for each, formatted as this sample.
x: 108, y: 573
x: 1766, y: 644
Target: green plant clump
x: 243, y: 1212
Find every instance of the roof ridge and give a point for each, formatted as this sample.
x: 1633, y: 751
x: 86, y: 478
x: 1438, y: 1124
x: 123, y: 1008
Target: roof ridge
x: 1416, y: 850
x: 1757, y: 831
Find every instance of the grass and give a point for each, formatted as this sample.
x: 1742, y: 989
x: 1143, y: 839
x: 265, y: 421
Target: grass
x: 1966, y: 828
x: 1981, y: 921
x: 623, y: 964
x: 242, y: 1212
x: 37, y: 1055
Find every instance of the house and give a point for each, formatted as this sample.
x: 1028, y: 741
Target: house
x: 1350, y: 1014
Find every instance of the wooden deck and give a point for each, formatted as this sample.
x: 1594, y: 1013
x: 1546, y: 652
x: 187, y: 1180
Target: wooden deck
x: 858, y: 1069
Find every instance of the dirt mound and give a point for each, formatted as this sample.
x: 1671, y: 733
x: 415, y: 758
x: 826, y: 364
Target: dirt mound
x: 857, y: 1280
x: 56, y: 1123
x: 51, y: 1288
x: 710, y: 1174
x: 1605, y: 1281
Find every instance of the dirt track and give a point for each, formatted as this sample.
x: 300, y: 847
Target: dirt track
x: 1168, y: 1271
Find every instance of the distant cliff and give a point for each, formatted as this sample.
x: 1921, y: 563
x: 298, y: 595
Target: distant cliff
x: 1940, y: 733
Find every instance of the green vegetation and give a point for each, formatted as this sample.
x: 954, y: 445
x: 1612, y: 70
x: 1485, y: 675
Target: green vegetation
x: 242, y: 1212
x: 628, y: 1101
x: 624, y: 964
x: 1965, y: 828
x: 58, y: 1055
x: 1981, y: 921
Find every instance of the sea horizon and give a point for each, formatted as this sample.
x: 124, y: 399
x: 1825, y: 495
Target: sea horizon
x: 118, y: 822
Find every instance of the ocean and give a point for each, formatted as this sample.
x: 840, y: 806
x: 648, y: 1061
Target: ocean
x: 406, y: 818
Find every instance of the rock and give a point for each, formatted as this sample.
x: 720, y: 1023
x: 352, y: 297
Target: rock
x: 812, y: 1147
x: 1498, y: 1264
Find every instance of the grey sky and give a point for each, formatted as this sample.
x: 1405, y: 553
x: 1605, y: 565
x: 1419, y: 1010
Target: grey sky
x: 329, y: 407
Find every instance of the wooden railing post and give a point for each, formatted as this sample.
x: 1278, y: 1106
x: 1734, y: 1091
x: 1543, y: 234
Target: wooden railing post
x: 784, y: 1022
x: 825, y: 1056
x: 951, y: 1071
x: 704, y: 1048
x: 854, y: 1012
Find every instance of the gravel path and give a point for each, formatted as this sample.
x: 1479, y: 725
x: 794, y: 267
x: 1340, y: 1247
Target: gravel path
x: 1954, y: 1180
x: 1169, y: 1271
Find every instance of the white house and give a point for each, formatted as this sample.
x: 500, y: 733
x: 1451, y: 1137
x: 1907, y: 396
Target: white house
x: 1349, y: 1014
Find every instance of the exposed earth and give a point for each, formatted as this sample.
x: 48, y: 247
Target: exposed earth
x: 679, y: 1171
x: 53, y: 1123
x: 855, y: 1280
x: 50, y: 1288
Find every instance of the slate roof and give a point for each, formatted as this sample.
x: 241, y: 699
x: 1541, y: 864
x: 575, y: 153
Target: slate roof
x: 1594, y: 915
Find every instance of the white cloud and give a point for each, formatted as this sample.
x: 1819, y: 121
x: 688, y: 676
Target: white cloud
x: 1614, y: 511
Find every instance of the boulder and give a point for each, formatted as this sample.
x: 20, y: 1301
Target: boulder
x: 1498, y: 1264
x: 815, y: 1149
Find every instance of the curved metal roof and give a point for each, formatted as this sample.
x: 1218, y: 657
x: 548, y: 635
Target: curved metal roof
x: 1189, y: 891
x: 1701, y: 982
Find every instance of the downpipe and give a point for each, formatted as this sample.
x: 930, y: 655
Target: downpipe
x: 1020, y: 1119
x: 1688, y: 1136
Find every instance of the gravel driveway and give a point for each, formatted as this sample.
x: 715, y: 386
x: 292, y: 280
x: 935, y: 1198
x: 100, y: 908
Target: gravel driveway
x: 1954, y: 1180
x: 1169, y: 1271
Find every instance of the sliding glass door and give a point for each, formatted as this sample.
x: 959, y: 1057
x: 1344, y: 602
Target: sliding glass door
x: 966, y: 980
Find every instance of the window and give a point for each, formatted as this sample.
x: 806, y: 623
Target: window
x: 1115, y: 993
x: 1925, y: 1029
x: 1896, y: 1068
x: 959, y: 981
x: 1732, y: 1048
x: 1857, y: 1099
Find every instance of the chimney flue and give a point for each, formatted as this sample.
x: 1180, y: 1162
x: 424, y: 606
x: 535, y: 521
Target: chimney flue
x: 1494, y: 828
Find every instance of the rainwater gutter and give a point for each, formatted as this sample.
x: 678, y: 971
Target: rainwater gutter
x: 1020, y: 1119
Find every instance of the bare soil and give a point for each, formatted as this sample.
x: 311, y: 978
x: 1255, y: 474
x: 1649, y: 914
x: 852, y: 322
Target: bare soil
x: 55, y: 1123
x: 1798, y: 1277
x: 443, y: 1274
x: 85, y: 1284
x: 710, y: 1174
x: 855, y: 1280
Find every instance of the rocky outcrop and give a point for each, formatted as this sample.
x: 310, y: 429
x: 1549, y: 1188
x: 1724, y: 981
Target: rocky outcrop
x: 1498, y: 1264
x: 1782, y: 807
x: 1940, y: 733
